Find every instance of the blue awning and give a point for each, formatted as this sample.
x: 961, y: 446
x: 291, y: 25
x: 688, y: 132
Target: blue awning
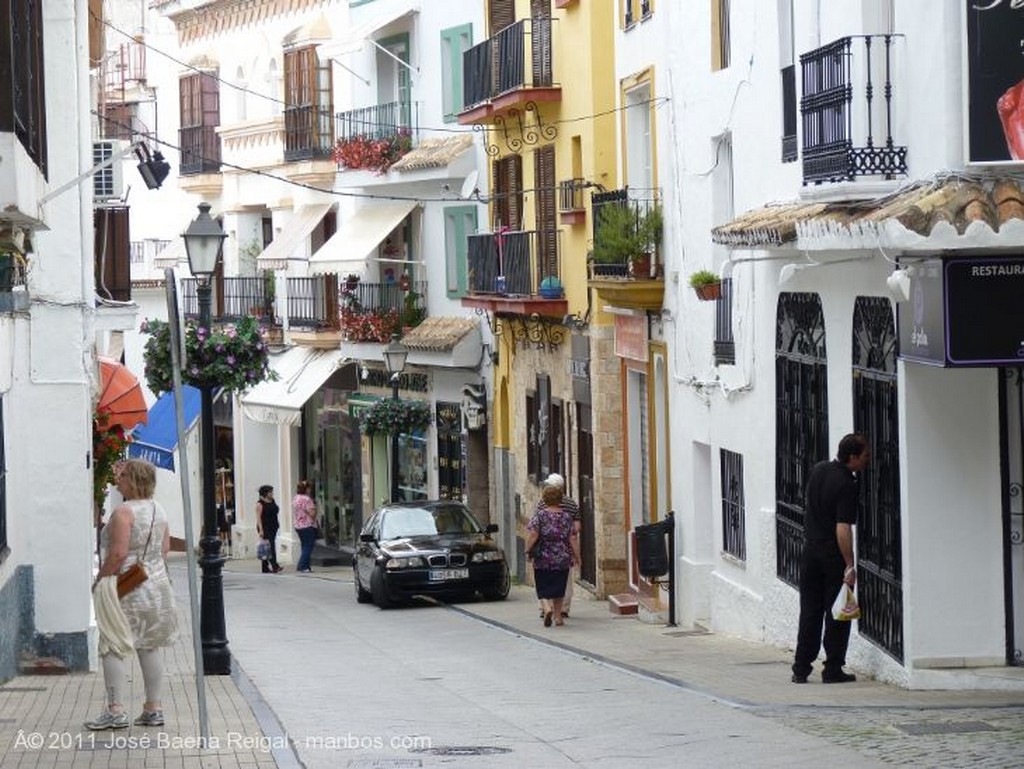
x: 156, y: 440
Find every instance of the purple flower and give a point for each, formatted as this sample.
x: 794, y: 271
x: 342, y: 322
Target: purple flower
x: 231, y: 360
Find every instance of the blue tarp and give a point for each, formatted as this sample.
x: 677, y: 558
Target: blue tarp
x: 156, y: 440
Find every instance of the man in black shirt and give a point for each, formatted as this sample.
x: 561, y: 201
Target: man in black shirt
x: 829, y: 515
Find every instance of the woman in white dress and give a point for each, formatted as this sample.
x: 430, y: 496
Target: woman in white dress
x: 137, y: 532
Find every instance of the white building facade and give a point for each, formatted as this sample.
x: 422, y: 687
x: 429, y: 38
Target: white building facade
x: 819, y: 149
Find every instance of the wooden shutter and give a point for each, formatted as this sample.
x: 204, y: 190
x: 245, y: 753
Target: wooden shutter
x: 112, y: 247
x: 508, y: 183
x: 502, y: 13
x: 540, y: 42
x: 188, y: 97
x: 209, y: 103
x: 547, y: 212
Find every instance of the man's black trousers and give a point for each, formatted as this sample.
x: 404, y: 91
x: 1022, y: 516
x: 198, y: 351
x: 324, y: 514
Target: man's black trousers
x: 821, y: 576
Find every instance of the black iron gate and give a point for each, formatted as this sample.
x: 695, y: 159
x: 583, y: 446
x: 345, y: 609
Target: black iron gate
x: 801, y: 420
x: 879, y: 554
x: 1011, y: 446
x: 585, y: 452
x: 450, y: 451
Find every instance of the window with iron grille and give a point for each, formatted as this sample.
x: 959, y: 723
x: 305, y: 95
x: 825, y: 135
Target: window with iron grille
x: 22, y: 88
x: 801, y: 420
x: 308, y: 120
x: 879, y: 524
x: 199, y: 102
x: 725, y: 345
x: 734, y: 531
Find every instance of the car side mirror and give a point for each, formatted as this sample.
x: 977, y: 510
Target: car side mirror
x: 491, y: 528
x: 366, y: 538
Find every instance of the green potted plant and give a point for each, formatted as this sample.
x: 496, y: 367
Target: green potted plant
x: 626, y: 238
x: 649, y: 228
x: 706, y: 284
x: 393, y: 417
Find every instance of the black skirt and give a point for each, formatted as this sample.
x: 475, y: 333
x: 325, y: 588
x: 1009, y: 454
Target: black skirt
x: 550, y: 583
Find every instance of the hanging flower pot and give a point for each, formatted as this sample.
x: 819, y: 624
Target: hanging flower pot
x: 707, y: 285
x: 393, y: 417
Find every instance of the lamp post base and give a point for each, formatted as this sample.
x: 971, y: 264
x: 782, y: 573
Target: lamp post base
x: 216, y: 655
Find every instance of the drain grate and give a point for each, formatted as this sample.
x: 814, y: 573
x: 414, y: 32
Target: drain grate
x: 686, y: 633
x: 384, y: 763
x: 464, y: 750
x: 945, y: 727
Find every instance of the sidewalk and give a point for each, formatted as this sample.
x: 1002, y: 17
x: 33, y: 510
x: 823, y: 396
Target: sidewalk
x: 41, y: 720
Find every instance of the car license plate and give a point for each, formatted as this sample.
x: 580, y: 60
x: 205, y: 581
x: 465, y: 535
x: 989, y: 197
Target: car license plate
x: 441, y: 575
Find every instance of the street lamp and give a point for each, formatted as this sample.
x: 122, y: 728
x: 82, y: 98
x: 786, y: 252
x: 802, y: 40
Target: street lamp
x: 204, y: 240
x: 395, y: 354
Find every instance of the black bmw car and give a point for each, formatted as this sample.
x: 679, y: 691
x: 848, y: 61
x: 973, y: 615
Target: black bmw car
x: 432, y: 548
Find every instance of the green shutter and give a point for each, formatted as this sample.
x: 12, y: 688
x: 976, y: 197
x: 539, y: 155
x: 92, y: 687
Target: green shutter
x: 459, y: 223
x: 454, y: 42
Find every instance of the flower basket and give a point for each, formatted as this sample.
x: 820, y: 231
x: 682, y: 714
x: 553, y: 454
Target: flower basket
x: 709, y: 292
x: 393, y: 417
x: 369, y: 326
x: 234, y: 357
x: 109, y: 446
x: 377, y: 155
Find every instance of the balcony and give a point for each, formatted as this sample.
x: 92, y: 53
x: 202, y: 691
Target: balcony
x: 626, y: 264
x: 372, y: 312
x: 572, y: 208
x: 312, y: 303
x: 381, y: 121
x: 509, y: 70
x: 200, y: 150
x: 123, y: 72
x: 516, y: 273
x: 846, y: 111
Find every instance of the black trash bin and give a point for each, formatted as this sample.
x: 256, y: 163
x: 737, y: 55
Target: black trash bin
x: 651, y: 551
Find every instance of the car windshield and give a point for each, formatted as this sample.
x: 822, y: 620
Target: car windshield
x: 419, y: 521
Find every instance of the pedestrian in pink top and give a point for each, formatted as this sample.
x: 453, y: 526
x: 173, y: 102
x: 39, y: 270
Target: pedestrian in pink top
x: 305, y: 522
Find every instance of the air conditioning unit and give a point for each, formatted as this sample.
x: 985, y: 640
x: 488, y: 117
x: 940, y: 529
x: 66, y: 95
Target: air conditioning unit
x: 107, y: 182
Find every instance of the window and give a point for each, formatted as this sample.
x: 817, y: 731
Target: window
x: 459, y: 223
x: 720, y: 42
x: 787, y: 57
x: 118, y: 120
x: 507, y: 208
x: 308, y: 122
x: 200, y: 116
x: 544, y: 450
x: 22, y: 90
x: 725, y: 345
x: 240, y: 94
x: 734, y: 536
x: 454, y: 42
x: 639, y: 150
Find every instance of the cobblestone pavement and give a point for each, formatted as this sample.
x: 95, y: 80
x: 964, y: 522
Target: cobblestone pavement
x: 918, y: 737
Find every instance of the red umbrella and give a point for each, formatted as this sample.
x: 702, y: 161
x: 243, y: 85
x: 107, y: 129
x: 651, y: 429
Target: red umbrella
x: 121, y: 400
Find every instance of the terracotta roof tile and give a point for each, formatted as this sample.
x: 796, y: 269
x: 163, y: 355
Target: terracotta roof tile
x: 434, y: 153
x: 957, y: 200
x: 439, y: 334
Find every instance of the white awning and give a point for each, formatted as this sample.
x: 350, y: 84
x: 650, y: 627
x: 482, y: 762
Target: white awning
x: 301, y: 371
x: 292, y: 236
x: 358, y: 236
x: 353, y: 41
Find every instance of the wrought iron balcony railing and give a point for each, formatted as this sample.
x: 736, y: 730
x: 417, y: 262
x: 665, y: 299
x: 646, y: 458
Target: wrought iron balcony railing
x: 513, y: 263
x: 372, y: 312
x: 381, y: 121
x: 200, y: 150
x: 570, y: 195
x: 847, y: 128
x: 308, y: 133
x: 312, y: 302
x: 123, y: 68
x: 509, y: 62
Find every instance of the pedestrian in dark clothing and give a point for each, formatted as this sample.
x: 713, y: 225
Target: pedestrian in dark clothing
x: 267, y: 526
x: 829, y: 515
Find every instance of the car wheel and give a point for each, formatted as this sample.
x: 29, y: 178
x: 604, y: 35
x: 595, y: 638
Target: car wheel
x: 500, y: 591
x: 362, y: 596
x: 378, y: 591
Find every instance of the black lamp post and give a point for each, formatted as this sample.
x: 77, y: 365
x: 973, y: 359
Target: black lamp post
x: 395, y: 354
x: 204, y: 240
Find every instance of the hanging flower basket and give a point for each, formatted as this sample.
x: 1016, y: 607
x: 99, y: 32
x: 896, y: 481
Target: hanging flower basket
x: 109, y: 446
x: 390, y: 416
x: 234, y: 357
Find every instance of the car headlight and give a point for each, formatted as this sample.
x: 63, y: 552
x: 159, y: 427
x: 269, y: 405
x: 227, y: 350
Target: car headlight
x: 488, y: 555
x: 409, y: 562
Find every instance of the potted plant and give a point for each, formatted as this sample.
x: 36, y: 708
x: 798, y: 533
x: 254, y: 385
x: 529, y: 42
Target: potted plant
x: 625, y: 239
x: 551, y: 288
x: 707, y: 285
x: 391, y: 416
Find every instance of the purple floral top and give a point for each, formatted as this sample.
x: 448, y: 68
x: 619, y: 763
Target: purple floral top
x: 555, y: 529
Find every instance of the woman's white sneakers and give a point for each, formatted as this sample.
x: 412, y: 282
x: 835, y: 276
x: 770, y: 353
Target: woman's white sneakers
x: 108, y: 720
x: 150, y: 718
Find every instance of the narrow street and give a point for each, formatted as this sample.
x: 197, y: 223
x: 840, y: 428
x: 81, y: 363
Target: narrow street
x: 352, y: 685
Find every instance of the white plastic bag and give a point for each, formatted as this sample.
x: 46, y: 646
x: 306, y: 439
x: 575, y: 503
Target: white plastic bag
x: 845, y: 607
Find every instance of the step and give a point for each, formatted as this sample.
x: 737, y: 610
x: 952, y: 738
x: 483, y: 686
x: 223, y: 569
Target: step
x: 43, y: 666
x: 623, y: 603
